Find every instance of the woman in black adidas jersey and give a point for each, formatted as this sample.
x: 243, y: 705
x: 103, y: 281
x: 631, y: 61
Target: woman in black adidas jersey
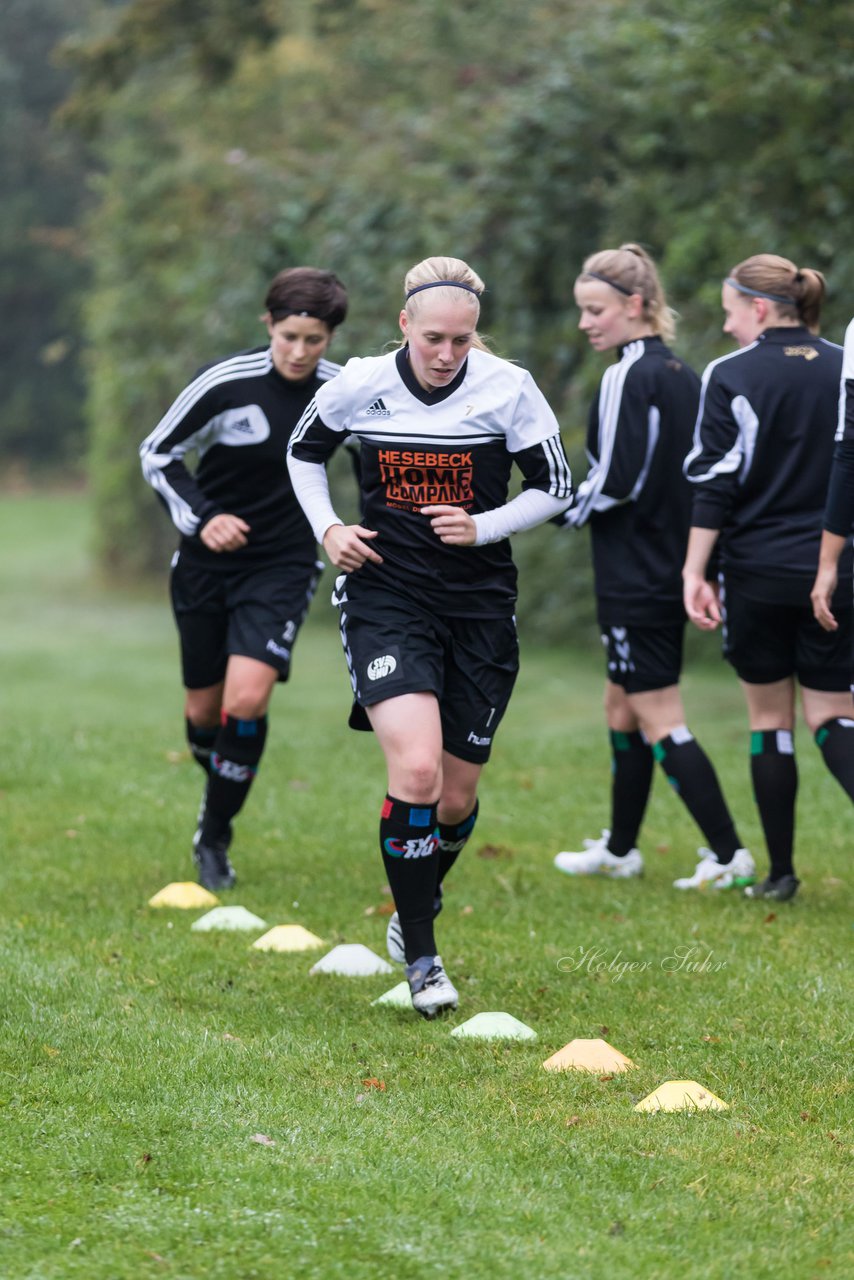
x: 637, y: 503
x: 246, y: 567
x: 760, y: 467
x: 428, y: 590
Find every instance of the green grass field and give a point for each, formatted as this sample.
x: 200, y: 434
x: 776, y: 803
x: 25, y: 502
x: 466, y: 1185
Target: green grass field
x: 140, y: 1061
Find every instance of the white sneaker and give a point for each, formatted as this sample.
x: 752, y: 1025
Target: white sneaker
x: 432, y: 990
x: 711, y: 874
x: 597, y: 860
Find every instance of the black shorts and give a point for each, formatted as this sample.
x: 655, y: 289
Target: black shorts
x: 394, y: 647
x: 253, y: 612
x: 767, y: 642
x: 643, y: 658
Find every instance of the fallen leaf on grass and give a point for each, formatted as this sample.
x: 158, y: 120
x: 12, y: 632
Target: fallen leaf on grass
x: 72, y: 834
x: 604, y: 1030
x: 467, y: 911
x: 770, y: 918
x: 226, y: 1035
x: 662, y: 848
x: 616, y: 1229
x: 50, y: 1051
x: 177, y: 757
x: 605, y: 1079
x: 711, y: 1039
x: 573, y: 1120
x: 262, y: 1140
x: 805, y: 1115
x: 492, y: 851
x: 144, y: 1159
x: 156, y: 1256
x: 373, y: 1083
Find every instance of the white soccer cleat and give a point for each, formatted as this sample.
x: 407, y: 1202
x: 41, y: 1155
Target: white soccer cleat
x: 432, y: 990
x: 596, y: 859
x: 711, y: 874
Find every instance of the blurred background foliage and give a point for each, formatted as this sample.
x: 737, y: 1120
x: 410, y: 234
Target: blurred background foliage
x: 166, y: 157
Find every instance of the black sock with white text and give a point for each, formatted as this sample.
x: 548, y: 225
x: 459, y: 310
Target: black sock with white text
x: 409, y: 844
x: 235, y: 757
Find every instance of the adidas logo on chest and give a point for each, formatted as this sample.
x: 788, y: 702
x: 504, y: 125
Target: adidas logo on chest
x: 377, y: 409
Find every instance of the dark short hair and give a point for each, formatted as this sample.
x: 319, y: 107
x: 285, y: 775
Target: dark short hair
x: 306, y: 291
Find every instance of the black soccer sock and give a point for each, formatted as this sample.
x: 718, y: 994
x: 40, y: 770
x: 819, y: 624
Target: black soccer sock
x: 410, y: 848
x: 236, y: 753
x: 835, y: 739
x: 774, y: 771
x: 690, y: 773
x: 632, y: 764
x: 201, y: 742
x: 452, y: 838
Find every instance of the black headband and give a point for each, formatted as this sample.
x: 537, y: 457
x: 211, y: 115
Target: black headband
x: 280, y: 313
x: 621, y: 288
x: 760, y: 293
x: 442, y: 284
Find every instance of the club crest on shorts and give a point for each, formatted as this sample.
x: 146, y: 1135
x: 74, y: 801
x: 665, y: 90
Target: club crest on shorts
x: 381, y: 667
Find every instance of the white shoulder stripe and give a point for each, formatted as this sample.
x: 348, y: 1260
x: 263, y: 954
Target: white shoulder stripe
x: 309, y: 417
x: 254, y: 364
x: 697, y: 448
x: 610, y: 399
x: 560, y: 477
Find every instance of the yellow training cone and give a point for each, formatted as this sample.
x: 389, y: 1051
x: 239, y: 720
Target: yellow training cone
x: 287, y: 937
x: 682, y: 1095
x: 588, y: 1055
x: 184, y: 894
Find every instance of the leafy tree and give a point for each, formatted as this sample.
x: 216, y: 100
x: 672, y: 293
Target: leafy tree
x: 365, y: 134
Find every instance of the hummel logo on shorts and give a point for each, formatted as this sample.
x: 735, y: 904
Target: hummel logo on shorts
x: 377, y: 410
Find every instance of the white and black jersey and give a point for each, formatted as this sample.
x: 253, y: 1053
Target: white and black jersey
x: 635, y: 497
x: 761, y: 458
x: 236, y: 416
x: 839, y: 511
x: 453, y: 445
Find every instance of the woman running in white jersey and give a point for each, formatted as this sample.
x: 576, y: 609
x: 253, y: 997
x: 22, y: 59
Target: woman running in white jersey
x: 428, y: 588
